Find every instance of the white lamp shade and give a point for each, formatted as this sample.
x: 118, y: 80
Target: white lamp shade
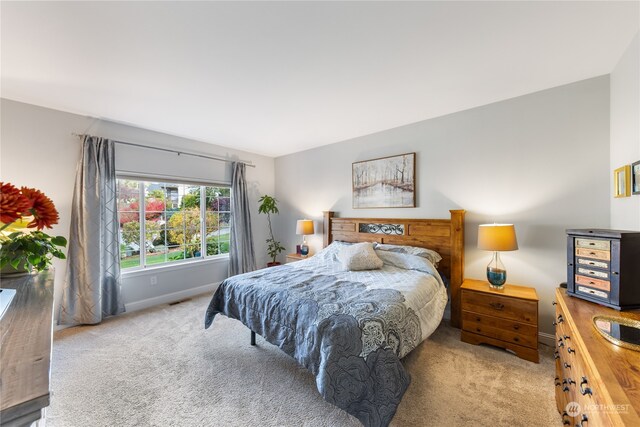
x: 304, y: 227
x: 497, y: 237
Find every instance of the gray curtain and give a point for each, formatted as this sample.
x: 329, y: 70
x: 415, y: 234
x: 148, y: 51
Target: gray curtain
x: 92, y: 285
x: 242, y: 257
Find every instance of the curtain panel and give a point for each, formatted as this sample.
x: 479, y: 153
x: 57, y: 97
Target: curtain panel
x: 242, y: 258
x: 92, y: 286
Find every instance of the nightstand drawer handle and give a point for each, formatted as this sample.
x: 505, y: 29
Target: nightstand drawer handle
x: 566, y: 365
x: 557, y: 382
x: 497, y: 305
x: 584, y: 390
x: 516, y: 327
x: 556, y: 355
x: 570, y: 350
x: 565, y: 422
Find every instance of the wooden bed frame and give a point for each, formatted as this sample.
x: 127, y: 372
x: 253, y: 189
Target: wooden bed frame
x: 445, y: 236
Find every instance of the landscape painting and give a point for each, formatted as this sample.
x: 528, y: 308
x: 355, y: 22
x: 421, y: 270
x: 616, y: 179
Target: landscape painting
x: 385, y: 183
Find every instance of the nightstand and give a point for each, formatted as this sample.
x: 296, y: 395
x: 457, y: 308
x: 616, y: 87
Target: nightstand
x: 296, y: 257
x: 506, y: 318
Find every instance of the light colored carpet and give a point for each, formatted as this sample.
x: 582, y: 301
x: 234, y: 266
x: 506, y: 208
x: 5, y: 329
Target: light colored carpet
x: 159, y: 367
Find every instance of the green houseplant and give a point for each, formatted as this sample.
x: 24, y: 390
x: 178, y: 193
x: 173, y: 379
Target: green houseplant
x: 268, y: 206
x: 24, y: 246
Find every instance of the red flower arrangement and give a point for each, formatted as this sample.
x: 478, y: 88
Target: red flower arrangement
x: 22, y: 249
x: 18, y: 204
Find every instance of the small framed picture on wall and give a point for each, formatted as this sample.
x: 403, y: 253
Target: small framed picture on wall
x: 635, y: 178
x: 622, y: 181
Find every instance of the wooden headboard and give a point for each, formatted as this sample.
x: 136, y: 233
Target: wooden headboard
x: 445, y: 236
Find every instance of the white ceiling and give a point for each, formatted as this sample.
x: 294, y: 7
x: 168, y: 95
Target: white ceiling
x: 276, y: 78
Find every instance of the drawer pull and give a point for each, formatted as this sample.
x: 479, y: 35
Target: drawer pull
x: 566, y: 337
x: 566, y: 365
x: 497, y: 305
x: 556, y: 355
x: 583, y: 419
x: 565, y: 388
x: 585, y: 390
x: 516, y: 327
x: 478, y: 319
x: 568, y: 381
x: 516, y: 339
x: 565, y: 422
x: 570, y: 350
x: 560, y: 343
x: 478, y: 330
x: 557, y: 382
x: 554, y: 303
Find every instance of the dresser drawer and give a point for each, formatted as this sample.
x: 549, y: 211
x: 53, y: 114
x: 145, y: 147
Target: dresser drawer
x: 593, y: 263
x: 605, y: 245
x: 592, y: 272
x: 592, y: 282
x: 596, y: 293
x: 505, y: 330
x: 594, y: 253
x: 506, y: 308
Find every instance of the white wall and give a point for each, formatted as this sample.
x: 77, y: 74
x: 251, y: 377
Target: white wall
x: 38, y: 150
x: 625, y: 132
x: 540, y: 161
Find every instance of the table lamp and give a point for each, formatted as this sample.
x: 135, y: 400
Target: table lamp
x: 304, y: 227
x: 497, y: 238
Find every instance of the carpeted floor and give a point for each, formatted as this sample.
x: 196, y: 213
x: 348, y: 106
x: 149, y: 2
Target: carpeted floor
x: 159, y: 367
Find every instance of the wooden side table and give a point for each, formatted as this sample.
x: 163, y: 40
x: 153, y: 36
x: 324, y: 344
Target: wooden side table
x: 506, y: 318
x: 296, y: 257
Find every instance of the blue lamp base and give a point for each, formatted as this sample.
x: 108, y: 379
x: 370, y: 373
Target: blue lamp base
x: 496, y: 277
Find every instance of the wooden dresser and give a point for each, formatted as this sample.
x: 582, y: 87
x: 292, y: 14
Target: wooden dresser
x: 506, y: 318
x: 602, y: 378
x: 25, y: 350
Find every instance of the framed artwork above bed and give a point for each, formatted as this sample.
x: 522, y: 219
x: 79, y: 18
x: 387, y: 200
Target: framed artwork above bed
x: 388, y: 182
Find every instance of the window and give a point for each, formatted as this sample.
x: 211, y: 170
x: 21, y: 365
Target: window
x: 175, y: 217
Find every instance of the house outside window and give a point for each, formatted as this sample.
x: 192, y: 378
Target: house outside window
x: 169, y: 225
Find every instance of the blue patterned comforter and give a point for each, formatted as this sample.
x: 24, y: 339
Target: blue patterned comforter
x: 350, y: 329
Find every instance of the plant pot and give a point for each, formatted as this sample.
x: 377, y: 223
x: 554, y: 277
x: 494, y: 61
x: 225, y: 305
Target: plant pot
x: 273, y: 264
x: 22, y: 270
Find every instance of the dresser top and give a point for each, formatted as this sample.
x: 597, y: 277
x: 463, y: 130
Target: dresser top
x: 508, y: 290
x: 601, y: 232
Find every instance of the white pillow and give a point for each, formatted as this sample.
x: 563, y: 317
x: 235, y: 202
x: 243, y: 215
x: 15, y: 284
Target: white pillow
x: 360, y: 256
x: 433, y: 256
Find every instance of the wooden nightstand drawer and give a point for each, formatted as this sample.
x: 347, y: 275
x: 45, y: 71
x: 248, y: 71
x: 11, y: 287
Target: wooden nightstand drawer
x: 503, y: 307
x: 505, y: 330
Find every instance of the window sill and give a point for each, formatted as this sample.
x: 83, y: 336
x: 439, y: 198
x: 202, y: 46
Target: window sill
x: 176, y: 266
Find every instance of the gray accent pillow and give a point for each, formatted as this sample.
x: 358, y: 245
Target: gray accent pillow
x: 433, y: 256
x: 360, y: 256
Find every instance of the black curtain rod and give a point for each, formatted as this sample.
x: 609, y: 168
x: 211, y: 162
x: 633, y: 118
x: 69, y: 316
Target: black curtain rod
x: 179, y: 153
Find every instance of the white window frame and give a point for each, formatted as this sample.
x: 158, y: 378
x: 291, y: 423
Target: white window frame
x: 142, y: 179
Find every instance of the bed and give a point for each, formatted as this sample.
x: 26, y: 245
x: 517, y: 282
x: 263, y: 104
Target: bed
x: 352, y: 328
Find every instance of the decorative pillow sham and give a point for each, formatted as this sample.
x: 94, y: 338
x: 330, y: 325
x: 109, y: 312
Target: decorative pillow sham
x: 433, y: 256
x: 359, y: 256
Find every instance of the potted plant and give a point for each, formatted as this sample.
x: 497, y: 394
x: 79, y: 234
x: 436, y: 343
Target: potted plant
x: 268, y: 206
x: 23, y: 246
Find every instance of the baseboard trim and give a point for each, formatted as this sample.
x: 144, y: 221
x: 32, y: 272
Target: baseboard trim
x: 169, y: 298
x: 547, y: 339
